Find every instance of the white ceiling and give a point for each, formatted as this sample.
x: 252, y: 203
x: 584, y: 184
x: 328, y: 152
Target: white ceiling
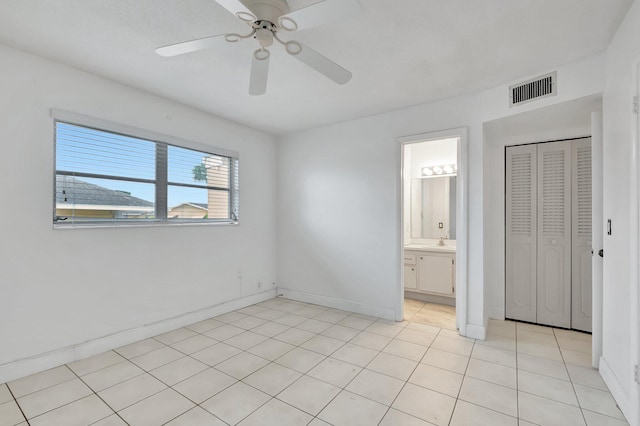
x: 401, y: 52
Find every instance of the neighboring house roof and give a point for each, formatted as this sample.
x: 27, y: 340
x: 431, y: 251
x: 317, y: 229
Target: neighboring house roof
x: 203, y: 206
x: 79, y: 192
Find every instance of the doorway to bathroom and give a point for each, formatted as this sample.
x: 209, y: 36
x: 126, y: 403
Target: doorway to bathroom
x: 434, y: 230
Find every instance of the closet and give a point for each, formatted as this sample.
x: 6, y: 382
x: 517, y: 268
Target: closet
x: 548, y: 233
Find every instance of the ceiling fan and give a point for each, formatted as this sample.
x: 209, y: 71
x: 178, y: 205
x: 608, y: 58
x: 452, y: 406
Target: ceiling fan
x: 267, y: 18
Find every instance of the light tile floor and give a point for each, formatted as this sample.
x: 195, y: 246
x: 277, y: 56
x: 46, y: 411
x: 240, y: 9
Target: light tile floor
x: 442, y: 316
x: 282, y: 363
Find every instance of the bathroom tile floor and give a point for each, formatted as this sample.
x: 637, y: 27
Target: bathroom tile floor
x: 442, y: 316
x: 282, y: 362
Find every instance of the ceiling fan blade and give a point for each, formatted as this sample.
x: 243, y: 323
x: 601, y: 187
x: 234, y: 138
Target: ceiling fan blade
x: 324, y: 12
x: 322, y: 64
x: 259, y: 72
x: 190, y: 46
x: 236, y: 8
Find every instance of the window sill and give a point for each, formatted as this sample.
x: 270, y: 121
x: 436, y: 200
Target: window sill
x: 113, y: 225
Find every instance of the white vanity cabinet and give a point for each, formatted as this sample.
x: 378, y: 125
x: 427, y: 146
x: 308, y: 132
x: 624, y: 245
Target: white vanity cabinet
x: 433, y: 272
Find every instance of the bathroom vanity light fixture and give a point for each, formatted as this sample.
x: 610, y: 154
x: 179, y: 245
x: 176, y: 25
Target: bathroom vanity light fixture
x: 438, y: 171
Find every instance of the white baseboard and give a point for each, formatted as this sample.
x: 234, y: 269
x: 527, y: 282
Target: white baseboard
x: 617, y: 390
x: 40, y: 362
x: 476, y: 331
x: 345, y: 305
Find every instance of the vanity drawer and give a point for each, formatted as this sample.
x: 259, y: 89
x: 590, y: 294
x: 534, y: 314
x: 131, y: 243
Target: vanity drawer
x: 409, y: 259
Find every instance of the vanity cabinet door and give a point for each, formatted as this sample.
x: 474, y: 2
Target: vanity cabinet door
x: 410, y: 277
x: 436, y: 273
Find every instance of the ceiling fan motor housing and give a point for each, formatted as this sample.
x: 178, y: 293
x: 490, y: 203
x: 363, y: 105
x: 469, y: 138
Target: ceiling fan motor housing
x: 264, y: 33
x: 267, y: 10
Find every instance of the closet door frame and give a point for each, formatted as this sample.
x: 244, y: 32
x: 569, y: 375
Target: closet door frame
x: 545, y: 315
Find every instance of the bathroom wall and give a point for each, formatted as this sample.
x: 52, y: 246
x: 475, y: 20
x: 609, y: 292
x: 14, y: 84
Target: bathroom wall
x: 423, y: 154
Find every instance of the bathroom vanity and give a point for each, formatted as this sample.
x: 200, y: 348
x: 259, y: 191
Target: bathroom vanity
x: 430, y: 255
x: 430, y: 269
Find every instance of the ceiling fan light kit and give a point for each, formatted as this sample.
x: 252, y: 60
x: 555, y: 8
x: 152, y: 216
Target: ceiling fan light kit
x: 266, y: 18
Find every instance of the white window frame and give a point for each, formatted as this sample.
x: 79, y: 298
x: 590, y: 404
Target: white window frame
x: 161, y: 184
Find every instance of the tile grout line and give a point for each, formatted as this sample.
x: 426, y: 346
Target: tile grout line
x: 270, y: 362
x: 407, y: 381
x: 44, y: 388
x: 70, y: 402
x: 570, y: 380
x: 243, y: 350
x: 16, y: 402
x: 246, y: 351
x: 329, y: 356
x: 305, y: 374
x: 412, y: 372
x: 49, y: 387
x: 213, y: 367
x: 167, y: 385
x: 464, y: 375
x: 565, y: 365
x: 216, y: 341
x: 99, y: 397
x: 476, y: 342
x: 129, y: 360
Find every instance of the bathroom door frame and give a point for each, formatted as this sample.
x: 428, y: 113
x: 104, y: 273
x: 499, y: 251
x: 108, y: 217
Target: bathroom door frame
x: 462, y: 241
x: 635, y: 247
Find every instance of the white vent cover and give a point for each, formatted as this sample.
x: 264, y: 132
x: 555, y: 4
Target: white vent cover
x: 537, y: 88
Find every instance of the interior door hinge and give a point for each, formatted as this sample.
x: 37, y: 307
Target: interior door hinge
x: 636, y: 374
x: 635, y: 105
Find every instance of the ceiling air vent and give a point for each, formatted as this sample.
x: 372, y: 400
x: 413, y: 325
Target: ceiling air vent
x: 539, y: 87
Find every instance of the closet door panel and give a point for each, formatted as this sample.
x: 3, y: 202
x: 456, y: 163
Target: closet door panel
x: 521, y: 213
x: 581, y: 275
x: 554, y: 234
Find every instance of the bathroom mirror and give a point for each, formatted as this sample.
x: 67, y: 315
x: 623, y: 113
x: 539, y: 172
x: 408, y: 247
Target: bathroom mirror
x: 433, y: 208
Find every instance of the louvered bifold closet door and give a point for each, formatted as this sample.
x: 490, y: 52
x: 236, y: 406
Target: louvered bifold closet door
x: 581, y: 287
x: 521, y: 198
x: 554, y: 234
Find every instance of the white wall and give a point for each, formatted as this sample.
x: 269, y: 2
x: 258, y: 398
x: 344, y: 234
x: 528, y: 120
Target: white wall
x: 339, y: 195
x: 620, y: 281
x: 433, y: 153
x: 65, y: 287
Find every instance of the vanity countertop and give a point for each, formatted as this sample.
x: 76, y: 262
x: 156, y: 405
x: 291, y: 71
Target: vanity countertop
x: 431, y: 247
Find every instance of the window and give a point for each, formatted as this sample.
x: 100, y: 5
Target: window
x: 110, y: 178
